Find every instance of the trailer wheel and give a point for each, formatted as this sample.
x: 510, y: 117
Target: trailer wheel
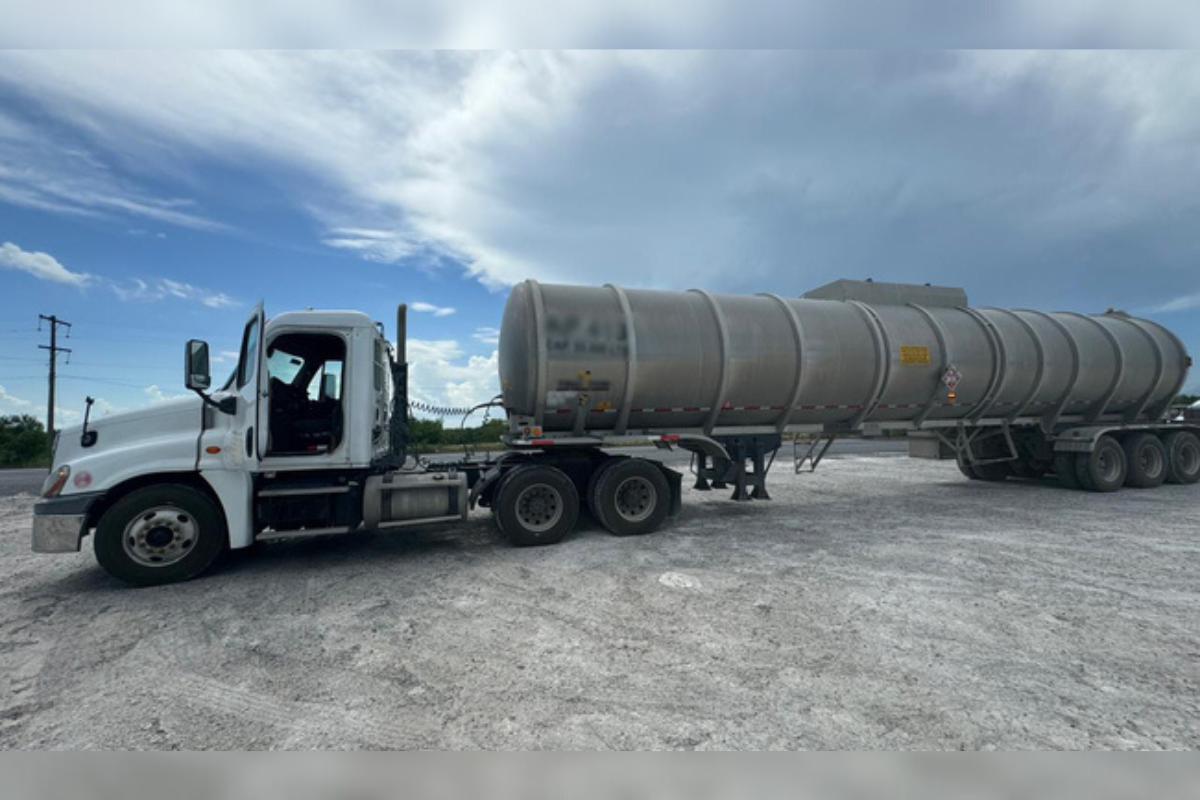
x: 1146, y: 461
x: 1183, y: 457
x: 993, y: 472
x: 630, y: 497
x: 1027, y: 469
x: 160, y: 534
x: 1103, y: 469
x: 1064, y: 469
x: 967, y: 470
x: 535, y: 505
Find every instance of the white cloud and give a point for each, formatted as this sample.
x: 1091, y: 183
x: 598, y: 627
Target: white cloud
x: 616, y: 23
x: 40, y: 265
x: 157, y: 395
x: 430, y: 308
x: 440, y: 376
x: 1024, y: 176
x: 12, y: 404
x: 1183, y: 303
x: 225, y: 356
x: 45, y: 168
x: 487, y: 335
x: 138, y: 289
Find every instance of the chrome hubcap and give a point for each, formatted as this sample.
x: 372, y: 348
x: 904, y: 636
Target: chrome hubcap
x: 539, y: 507
x: 636, y: 499
x: 160, y: 536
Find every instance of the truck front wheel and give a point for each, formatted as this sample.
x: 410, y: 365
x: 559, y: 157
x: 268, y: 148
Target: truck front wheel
x: 536, y: 504
x: 160, y: 534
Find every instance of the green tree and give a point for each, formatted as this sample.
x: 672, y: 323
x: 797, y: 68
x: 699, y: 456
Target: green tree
x: 23, y: 442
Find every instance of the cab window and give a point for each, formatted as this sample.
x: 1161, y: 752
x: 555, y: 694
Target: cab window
x: 305, y: 374
x: 248, y: 360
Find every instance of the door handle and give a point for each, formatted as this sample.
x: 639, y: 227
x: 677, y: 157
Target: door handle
x: 250, y: 442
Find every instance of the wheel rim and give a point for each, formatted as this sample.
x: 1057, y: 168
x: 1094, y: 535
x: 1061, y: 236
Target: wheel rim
x: 635, y: 499
x: 1107, y: 465
x: 539, y: 507
x: 160, y: 536
x: 1189, y: 459
x: 1151, y: 462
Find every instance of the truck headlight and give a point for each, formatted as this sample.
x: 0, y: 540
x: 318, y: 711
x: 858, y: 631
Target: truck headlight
x: 55, y: 481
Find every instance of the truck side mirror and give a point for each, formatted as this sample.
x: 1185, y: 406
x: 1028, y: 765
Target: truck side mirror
x: 196, y: 370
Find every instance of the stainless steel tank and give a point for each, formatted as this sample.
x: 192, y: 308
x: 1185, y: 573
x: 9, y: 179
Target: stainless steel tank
x: 607, y: 359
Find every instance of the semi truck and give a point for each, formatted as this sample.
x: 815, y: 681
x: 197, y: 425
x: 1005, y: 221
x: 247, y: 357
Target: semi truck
x: 309, y: 434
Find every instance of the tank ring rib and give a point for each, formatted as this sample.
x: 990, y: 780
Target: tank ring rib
x: 1096, y: 411
x: 543, y: 359
x: 883, y: 373
x: 1051, y: 417
x: 722, y: 329
x: 1160, y: 367
x: 947, y: 360
x: 630, y: 360
x: 798, y: 332
x: 1000, y: 370
x: 1039, y: 374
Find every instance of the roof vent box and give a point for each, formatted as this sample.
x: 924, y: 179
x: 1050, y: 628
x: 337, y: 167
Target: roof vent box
x: 890, y: 294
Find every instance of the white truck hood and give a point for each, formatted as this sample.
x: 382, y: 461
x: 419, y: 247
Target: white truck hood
x: 127, y: 442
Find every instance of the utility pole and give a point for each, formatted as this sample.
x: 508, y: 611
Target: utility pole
x: 54, y: 349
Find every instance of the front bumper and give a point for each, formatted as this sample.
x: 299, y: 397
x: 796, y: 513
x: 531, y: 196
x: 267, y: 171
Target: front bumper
x: 58, y: 523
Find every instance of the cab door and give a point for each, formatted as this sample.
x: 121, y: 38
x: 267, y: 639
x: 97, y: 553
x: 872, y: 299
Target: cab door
x: 248, y: 385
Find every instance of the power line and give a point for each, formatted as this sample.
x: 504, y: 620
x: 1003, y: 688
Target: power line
x: 55, y: 324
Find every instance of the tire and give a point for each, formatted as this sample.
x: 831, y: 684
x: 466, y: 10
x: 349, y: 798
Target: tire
x: 630, y: 497
x: 1104, y: 469
x: 1064, y: 469
x: 160, y: 534
x: 967, y: 470
x: 1029, y: 470
x: 995, y: 472
x: 1145, y: 459
x: 536, y: 505
x: 1183, y: 457
x: 591, y: 498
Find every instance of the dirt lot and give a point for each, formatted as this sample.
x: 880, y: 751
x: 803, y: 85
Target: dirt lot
x: 881, y: 602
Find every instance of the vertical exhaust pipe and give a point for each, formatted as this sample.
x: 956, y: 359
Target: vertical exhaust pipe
x: 399, y: 416
x: 402, y: 333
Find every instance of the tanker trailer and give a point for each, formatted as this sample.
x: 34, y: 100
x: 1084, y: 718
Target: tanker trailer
x: 1003, y: 393
x: 309, y: 436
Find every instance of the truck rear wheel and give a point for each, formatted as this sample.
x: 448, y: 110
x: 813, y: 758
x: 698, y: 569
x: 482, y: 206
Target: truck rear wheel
x: 160, y: 534
x: 1146, y: 460
x: 630, y: 497
x: 535, y: 505
x: 1183, y: 457
x: 1103, y: 469
x: 1064, y: 469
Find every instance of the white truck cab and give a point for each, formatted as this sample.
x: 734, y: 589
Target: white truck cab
x: 287, y: 444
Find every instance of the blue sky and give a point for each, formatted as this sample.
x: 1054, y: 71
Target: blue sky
x: 153, y: 197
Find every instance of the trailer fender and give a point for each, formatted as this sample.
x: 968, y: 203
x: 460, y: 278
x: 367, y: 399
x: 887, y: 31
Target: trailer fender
x: 234, y: 491
x: 675, y: 481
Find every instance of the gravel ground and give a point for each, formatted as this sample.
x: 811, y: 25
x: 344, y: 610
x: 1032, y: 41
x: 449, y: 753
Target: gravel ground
x: 881, y: 602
